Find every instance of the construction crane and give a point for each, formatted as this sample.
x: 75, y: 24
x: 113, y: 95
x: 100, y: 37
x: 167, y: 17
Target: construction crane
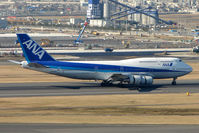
x: 77, y: 41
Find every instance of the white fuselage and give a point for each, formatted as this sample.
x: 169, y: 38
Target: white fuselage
x: 158, y: 68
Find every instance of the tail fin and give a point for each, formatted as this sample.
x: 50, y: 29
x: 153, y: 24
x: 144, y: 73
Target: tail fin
x: 32, y: 51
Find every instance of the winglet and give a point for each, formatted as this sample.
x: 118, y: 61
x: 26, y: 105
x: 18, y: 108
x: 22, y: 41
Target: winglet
x: 33, y: 51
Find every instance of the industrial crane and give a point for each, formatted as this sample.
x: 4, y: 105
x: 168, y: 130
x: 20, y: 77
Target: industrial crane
x: 77, y: 41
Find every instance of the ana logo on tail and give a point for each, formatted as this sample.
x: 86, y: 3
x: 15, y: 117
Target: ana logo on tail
x: 36, y: 49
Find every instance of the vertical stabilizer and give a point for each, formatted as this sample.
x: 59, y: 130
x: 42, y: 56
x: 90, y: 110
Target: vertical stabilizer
x: 31, y: 50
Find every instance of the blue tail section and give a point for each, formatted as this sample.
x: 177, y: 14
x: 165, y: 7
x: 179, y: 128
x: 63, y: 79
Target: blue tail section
x: 32, y: 51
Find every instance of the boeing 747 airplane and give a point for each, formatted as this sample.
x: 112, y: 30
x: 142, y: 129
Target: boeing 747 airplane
x: 136, y: 72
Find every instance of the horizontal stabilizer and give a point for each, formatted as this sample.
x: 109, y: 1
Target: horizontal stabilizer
x: 16, y: 62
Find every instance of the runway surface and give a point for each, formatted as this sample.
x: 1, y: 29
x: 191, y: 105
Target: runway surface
x: 84, y: 128
x: 92, y: 88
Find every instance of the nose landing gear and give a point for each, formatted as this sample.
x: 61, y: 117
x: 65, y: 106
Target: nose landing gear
x: 174, y: 81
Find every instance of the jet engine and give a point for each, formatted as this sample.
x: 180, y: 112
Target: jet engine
x: 140, y: 80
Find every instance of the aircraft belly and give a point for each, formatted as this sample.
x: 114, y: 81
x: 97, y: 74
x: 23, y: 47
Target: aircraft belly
x: 87, y: 75
x: 162, y: 75
x: 77, y: 74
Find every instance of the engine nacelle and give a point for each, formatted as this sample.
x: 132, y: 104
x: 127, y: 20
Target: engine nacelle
x: 140, y: 80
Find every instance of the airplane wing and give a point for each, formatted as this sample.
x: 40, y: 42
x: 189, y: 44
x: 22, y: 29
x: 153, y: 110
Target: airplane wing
x: 118, y: 77
x: 136, y: 79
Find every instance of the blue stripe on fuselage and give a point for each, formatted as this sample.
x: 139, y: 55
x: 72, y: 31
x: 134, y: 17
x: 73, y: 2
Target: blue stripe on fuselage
x: 98, y: 67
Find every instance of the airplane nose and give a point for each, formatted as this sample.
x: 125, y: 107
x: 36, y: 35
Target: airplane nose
x: 189, y: 68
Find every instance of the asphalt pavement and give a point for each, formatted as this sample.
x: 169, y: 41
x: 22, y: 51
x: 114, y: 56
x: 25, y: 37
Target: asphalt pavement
x: 92, y: 88
x: 86, y: 128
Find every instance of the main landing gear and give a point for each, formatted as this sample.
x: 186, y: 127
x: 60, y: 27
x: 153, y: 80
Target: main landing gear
x: 106, y: 83
x: 174, y: 81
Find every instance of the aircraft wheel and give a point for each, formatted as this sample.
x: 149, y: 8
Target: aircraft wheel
x: 121, y: 85
x: 103, y: 84
x: 174, y: 83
